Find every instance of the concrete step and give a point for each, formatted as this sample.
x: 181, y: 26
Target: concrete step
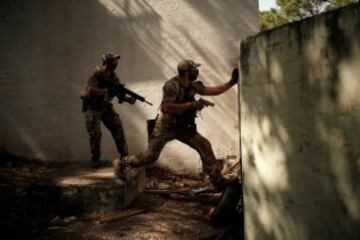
x: 86, y: 190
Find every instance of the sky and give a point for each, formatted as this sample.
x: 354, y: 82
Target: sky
x: 266, y: 4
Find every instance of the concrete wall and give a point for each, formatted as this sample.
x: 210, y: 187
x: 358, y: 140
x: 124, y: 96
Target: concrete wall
x: 48, y: 49
x: 300, y: 129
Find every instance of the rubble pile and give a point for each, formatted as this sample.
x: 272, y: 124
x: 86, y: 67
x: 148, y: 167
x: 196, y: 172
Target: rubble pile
x: 161, y: 179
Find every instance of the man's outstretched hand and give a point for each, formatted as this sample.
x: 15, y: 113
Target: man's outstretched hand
x: 234, y: 76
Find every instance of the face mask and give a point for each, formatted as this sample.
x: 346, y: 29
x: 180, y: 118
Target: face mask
x: 113, y: 66
x: 193, y: 74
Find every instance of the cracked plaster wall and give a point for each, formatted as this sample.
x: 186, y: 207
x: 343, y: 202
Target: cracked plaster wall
x: 300, y: 128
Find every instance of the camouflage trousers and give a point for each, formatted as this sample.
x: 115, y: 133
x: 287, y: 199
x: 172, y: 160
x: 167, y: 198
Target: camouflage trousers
x: 163, y: 134
x: 112, y: 122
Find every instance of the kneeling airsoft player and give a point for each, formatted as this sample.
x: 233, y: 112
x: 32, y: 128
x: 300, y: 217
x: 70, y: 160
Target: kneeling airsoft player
x: 177, y: 121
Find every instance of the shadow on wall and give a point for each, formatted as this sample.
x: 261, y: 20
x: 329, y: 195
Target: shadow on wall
x: 60, y: 42
x: 301, y: 128
x: 229, y: 30
x: 49, y: 50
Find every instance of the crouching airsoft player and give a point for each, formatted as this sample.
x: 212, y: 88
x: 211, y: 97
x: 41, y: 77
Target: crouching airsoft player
x: 97, y: 107
x: 177, y: 121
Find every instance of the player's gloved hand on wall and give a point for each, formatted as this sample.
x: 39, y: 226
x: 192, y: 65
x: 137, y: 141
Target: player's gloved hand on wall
x: 234, y: 76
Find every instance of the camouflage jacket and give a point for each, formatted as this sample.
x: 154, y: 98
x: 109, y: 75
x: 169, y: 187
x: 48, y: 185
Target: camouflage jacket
x: 174, y: 91
x: 99, y: 79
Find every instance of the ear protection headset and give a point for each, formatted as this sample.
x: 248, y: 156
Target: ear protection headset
x: 193, y: 71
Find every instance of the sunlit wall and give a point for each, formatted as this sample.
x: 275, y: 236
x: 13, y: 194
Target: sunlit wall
x: 49, y: 48
x: 300, y: 129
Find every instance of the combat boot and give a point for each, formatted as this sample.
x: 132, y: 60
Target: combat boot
x: 95, y: 163
x: 120, y: 169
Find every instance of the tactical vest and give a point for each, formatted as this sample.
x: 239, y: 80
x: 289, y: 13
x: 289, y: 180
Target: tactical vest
x: 97, y: 102
x: 187, y: 118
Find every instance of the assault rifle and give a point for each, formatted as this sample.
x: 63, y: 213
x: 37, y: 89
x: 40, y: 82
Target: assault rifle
x: 121, y: 91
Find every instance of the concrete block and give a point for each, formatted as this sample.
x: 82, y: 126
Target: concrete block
x: 86, y: 190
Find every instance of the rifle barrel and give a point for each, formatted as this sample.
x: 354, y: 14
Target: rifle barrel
x: 148, y: 102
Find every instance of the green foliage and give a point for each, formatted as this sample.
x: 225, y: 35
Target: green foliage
x: 272, y: 18
x: 293, y: 10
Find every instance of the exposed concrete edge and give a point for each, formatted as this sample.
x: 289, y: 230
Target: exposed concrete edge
x: 307, y: 20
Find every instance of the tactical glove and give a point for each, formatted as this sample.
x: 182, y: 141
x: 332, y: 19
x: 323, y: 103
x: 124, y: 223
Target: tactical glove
x: 234, y: 76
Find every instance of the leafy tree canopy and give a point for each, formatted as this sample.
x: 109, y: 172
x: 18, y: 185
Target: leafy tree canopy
x: 293, y: 10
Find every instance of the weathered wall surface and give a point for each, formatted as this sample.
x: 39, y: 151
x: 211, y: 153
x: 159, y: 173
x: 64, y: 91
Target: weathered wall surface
x: 48, y: 49
x: 300, y: 129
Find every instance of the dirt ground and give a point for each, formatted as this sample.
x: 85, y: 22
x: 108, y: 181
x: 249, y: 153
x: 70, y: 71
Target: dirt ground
x: 167, y: 218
